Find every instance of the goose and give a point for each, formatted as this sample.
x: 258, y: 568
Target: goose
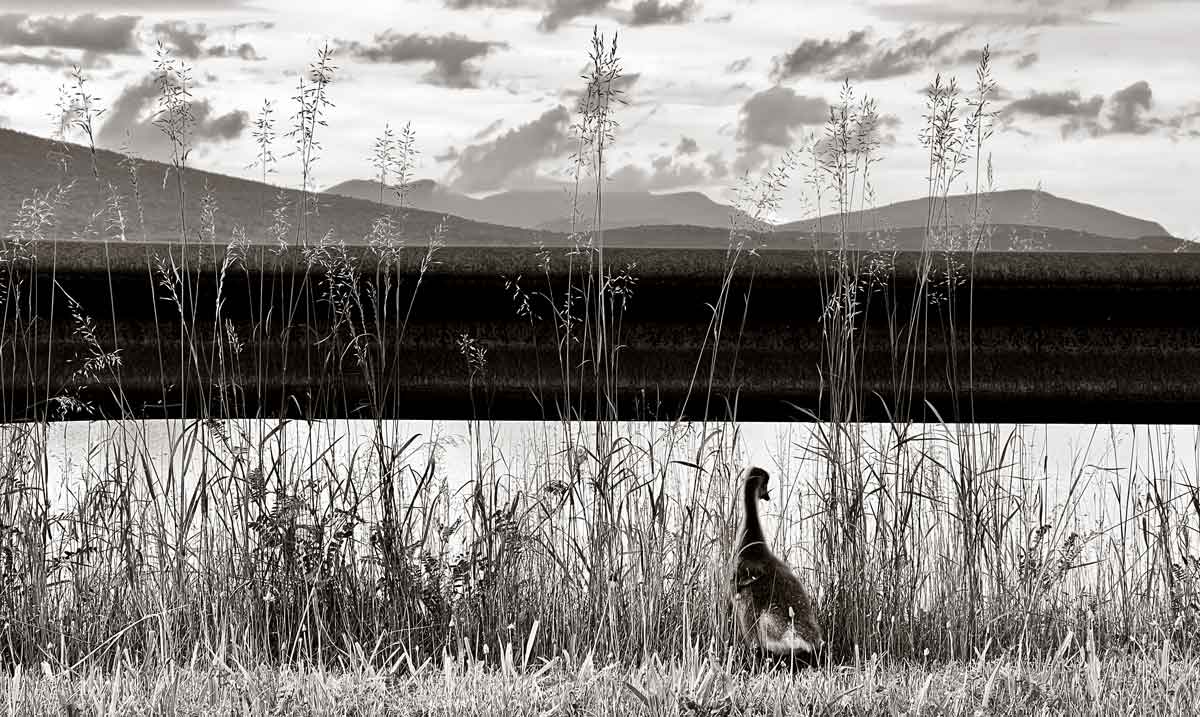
x: 771, y: 608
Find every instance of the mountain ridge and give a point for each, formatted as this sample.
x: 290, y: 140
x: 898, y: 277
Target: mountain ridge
x: 549, y: 210
x: 254, y: 207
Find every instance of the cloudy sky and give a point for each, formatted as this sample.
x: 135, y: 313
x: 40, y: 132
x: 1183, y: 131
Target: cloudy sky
x: 1098, y: 99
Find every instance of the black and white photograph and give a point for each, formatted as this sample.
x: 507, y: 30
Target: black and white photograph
x: 678, y: 358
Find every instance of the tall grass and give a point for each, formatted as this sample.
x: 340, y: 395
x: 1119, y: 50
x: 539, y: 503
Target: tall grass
x: 927, y: 538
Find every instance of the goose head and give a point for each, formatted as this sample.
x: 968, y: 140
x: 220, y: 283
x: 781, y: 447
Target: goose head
x: 755, y: 479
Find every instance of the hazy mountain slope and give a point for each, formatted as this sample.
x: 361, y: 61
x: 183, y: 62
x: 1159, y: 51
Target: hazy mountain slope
x: 27, y: 170
x: 25, y: 167
x: 551, y: 209
x: 1005, y: 207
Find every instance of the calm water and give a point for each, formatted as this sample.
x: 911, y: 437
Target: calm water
x: 1103, y: 465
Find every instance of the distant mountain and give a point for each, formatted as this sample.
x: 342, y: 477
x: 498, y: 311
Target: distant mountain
x: 1015, y: 207
x: 28, y: 170
x: 26, y: 167
x: 550, y: 209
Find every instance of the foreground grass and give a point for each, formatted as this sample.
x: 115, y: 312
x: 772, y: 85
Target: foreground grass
x: 1067, y: 684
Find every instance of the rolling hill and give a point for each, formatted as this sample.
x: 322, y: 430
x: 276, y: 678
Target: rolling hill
x: 550, y: 209
x: 28, y: 170
x: 1013, y: 207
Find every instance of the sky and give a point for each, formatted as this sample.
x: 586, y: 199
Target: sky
x: 1096, y: 100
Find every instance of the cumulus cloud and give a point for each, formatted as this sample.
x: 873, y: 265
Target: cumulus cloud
x: 82, y: 32
x: 1078, y: 113
x: 1126, y: 113
x: 191, y: 42
x: 242, y: 51
x: 856, y: 58
x: 999, y: 13
x: 738, y: 65
x: 886, y: 126
x: 770, y: 117
x: 718, y: 168
x: 815, y: 56
x: 490, y: 4
x: 1127, y: 107
x: 56, y: 59
x: 908, y: 54
x: 182, y: 39
x: 661, y: 12
x: 492, y: 127
x: 1066, y: 103
x: 671, y: 171
x: 560, y: 12
x: 131, y: 118
x: 1027, y: 60
x: 486, y: 166
x: 665, y: 173
x: 621, y: 87
x: 75, y: 6
x: 452, y: 55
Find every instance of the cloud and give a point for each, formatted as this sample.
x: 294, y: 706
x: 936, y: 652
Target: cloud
x: 181, y: 38
x: 130, y: 118
x: 717, y: 167
x: 188, y: 41
x: 661, y: 12
x: 492, y: 4
x: 559, y: 12
x: 858, y: 59
x: 1079, y: 114
x: 1000, y: 13
x: 486, y: 166
x: 671, y: 171
x: 887, y: 122
x: 7, y: 89
x: 908, y: 54
x: 1126, y: 108
x: 972, y: 56
x: 244, y: 51
x: 451, y: 55
x: 738, y: 65
x: 54, y: 59
x: 253, y: 25
x: 812, y: 56
x: 1067, y: 103
x: 81, y: 32
x: 665, y: 174
x: 622, y: 87
x: 75, y: 6
x: 495, y: 125
x: 769, y: 117
x: 1011, y: 13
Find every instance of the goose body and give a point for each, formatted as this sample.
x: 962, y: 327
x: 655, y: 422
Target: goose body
x: 772, y: 610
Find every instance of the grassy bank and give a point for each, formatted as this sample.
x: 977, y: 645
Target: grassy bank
x: 1071, y: 684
